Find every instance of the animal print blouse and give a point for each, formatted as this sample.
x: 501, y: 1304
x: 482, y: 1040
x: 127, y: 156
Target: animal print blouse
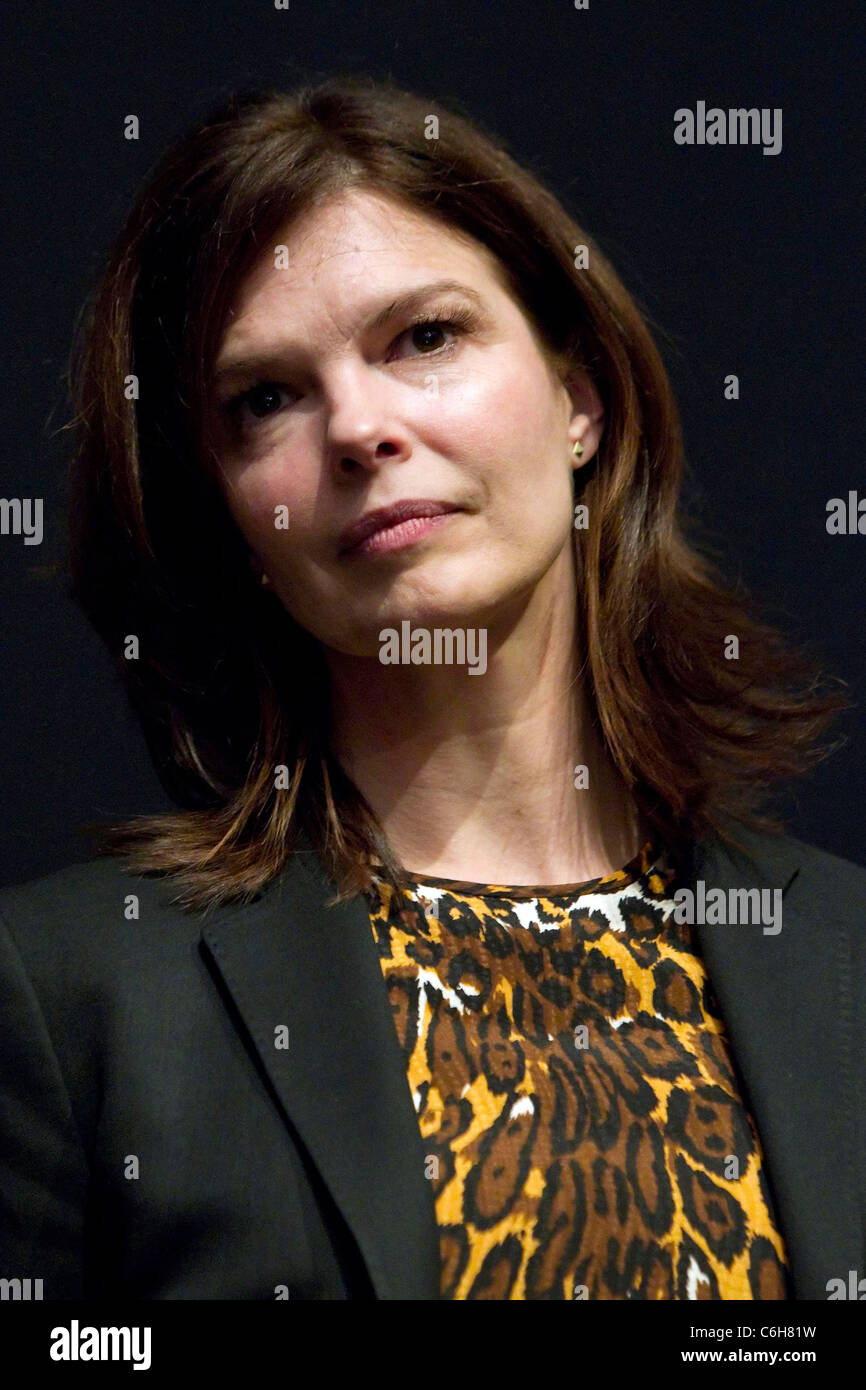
x: 583, y: 1131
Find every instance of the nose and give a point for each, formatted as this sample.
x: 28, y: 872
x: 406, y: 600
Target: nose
x: 363, y: 426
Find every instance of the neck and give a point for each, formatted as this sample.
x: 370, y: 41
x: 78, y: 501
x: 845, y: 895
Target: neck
x: 473, y: 777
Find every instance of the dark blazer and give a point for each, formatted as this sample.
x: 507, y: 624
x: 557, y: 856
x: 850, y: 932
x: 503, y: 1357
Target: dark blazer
x: 301, y: 1169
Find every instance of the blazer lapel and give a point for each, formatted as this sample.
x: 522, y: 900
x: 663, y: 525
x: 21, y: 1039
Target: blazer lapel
x: 289, y: 960
x: 786, y: 1000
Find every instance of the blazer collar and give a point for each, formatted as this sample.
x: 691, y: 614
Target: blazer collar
x: 287, y: 959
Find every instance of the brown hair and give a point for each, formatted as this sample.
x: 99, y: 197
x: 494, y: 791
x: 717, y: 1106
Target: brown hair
x: 228, y: 688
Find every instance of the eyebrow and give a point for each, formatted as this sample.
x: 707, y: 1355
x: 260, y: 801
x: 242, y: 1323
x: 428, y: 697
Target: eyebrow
x: 404, y: 303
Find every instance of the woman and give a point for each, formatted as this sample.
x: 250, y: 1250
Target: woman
x: 418, y: 994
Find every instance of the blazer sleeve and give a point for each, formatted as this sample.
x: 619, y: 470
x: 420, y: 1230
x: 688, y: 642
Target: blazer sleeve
x: 43, y: 1164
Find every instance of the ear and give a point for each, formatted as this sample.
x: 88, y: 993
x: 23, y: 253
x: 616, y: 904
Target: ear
x: 587, y: 415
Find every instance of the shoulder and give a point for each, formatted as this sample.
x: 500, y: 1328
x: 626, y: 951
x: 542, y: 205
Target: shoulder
x: 815, y: 868
x: 95, y: 961
x: 830, y: 891
x: 90, y: 904
x: 831, y: 868
x: 98, y: 922
x: 85, y: 940
x: 811, y: 878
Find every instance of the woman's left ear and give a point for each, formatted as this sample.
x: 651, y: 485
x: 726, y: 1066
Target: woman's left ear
x: 587, y: 422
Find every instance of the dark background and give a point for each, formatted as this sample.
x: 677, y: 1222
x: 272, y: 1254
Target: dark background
x: 748, y: 264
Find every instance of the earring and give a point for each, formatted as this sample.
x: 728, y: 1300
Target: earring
x: 577, y: 449
x: 263, y: 578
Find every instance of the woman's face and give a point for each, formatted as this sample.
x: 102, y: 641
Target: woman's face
x: 347, y: 407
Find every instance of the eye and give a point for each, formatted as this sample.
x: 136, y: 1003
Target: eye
x: 261, y: 400
x: 424, y: 333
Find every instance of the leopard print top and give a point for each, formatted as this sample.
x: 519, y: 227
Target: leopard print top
x: 583, y: 1129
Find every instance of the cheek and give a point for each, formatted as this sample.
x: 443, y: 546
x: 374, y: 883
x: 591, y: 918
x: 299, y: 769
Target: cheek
x: 265, y: 505
x: 511, y: 420
x: 508, y: 407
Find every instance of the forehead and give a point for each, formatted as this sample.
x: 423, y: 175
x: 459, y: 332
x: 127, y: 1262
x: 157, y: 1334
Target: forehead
x: 361, y: 240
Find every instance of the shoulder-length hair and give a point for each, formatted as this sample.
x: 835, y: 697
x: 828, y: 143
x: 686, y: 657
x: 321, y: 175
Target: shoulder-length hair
x: 231, y: 693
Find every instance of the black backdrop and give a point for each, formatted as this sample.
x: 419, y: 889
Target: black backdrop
x: 749, y: 263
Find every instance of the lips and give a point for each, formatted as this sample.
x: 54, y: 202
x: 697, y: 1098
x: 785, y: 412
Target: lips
x: 384, y: 517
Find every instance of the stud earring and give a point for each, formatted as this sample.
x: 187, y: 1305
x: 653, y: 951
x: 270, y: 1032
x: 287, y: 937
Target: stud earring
x: 263, y: 578
x: 577, y: 449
